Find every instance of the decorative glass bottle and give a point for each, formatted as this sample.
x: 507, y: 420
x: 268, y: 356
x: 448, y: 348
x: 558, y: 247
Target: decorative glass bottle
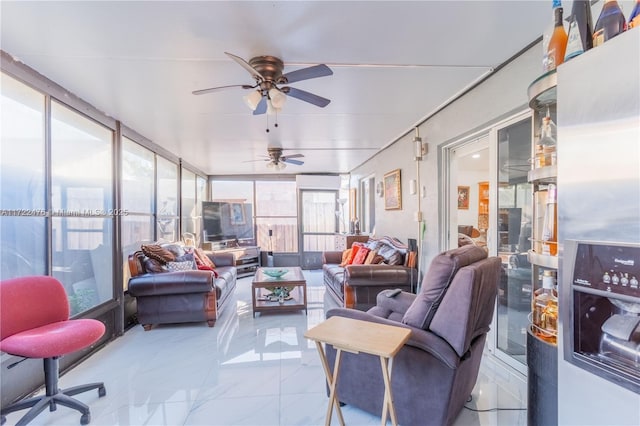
x: 580, y: 36
x: 558, y: 41
x: 544, y: 309
x: 550, y: 228
x: 610, y: 23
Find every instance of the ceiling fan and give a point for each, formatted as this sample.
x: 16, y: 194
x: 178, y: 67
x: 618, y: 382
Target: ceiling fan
x: 278, y: 161
x: 271, y: 88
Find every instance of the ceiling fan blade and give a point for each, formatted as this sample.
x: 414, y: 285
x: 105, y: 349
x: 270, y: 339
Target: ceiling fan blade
x: 306, y: 73
x: 306, y: 96
x: 262, y: 106
x: 244, y: 64
x: 294, y: 156
x: 290, y: 161
x: 215, y: 89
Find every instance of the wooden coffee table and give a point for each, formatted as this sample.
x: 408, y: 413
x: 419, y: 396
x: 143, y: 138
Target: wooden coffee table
x: 293, y: 279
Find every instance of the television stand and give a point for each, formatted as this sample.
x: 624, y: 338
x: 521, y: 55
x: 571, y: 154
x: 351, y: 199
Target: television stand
x: 246, y: 259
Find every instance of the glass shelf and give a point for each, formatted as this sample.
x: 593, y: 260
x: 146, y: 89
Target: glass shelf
x: 544, y: 260
x: 547, y: 174
x: 542, y: 92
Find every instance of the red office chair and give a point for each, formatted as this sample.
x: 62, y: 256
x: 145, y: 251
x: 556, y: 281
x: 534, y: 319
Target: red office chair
x: 34, y: 323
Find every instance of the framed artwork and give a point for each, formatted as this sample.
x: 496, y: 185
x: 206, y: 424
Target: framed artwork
x: 463, y: 198
x: 392, y: 190
x: 237, y: 214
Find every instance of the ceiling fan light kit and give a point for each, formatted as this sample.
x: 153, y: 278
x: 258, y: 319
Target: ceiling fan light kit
x: 277, y: 98
x: 267, y: 71
x: 253, y: 99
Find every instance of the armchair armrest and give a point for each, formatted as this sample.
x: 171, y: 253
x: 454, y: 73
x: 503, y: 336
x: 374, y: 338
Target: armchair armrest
x: 379, y: 275
x: 420, y: 339
x: 332, y: 257
x: 398, y: 303
x: 171, y: 283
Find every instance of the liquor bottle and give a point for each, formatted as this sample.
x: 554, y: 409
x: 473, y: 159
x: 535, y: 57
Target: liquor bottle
x: 546, y: 146
x: 550, y: 227
x: 546, y: 38
x: 558, y: 41
x: 544, y: 308
x: 634, y: 17
x: 580, y: 38
x: 610, y: 23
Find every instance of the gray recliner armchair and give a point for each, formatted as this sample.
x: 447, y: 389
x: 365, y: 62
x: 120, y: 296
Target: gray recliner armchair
x: 436, y: 370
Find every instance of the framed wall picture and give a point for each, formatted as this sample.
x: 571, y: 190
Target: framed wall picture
x: 463, y: 197
x: 237, y: 214
x: 392, y: 190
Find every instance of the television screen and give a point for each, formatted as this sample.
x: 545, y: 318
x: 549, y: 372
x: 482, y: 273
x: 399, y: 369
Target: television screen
x: 227, y: 221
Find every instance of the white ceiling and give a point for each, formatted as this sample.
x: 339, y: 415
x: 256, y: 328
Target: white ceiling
x: 394, y: 63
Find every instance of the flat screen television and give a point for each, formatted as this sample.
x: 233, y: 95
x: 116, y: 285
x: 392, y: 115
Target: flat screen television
x: 223, y: 221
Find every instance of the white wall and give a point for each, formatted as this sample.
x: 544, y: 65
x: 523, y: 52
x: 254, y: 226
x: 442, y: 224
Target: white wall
x: 498, y: 97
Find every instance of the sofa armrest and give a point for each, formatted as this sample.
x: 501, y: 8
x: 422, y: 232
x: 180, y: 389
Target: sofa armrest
x: 379, y: 275
x: 222, y: 259
x: 171, y: 283
x: 332, y: 257
x: 398, y: 303
x: 421, y: 339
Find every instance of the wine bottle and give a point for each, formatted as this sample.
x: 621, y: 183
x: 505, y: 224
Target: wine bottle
x: 634, y: 17
x: 610, y: 23
x: 580, y: 37
x: 558, y: 41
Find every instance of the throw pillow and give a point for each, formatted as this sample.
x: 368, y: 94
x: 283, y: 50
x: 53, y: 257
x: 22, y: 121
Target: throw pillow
x: 176, y: 249
x: 345, y: 257
x: 360, y: 256
x: 205, y: 259
x: 436, y: 282
x: 155, y: 251
x: 372, y: 254
x: 392, y: 256
x: 153, y: 266
x: 186, y: 265
x: 352, y: 255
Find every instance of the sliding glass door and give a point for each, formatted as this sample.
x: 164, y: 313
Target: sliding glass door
x: 487, y: 202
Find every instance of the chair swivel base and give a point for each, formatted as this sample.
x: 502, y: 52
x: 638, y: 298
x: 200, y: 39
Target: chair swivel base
x: 39, y: 403
x: 54, y: 396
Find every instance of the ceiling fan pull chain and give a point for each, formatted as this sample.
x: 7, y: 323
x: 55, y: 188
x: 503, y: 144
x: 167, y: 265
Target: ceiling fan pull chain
x: 267, y: 115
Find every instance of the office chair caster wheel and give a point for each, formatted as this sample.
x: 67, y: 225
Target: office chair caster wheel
x: 85, y: 419
x: 102, y: 391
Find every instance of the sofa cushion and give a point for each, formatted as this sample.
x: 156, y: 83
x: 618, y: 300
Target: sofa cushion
x: 345, y: 257
x: 204, y: 258
x: 391, y: 255
x: 185, y: 265
x: 176, y: 249
x: 155, y: 251
x: 437, y: 281
x: 361, y: 256
x: 153, y: 266
x: 354, y: 251
x: 370, y: 256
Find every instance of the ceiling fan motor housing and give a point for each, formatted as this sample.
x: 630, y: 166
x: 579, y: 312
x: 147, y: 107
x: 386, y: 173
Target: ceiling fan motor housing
x: 270, y: 68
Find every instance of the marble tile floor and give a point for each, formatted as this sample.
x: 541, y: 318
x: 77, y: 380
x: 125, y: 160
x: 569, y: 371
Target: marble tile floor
x: 244, y: 371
